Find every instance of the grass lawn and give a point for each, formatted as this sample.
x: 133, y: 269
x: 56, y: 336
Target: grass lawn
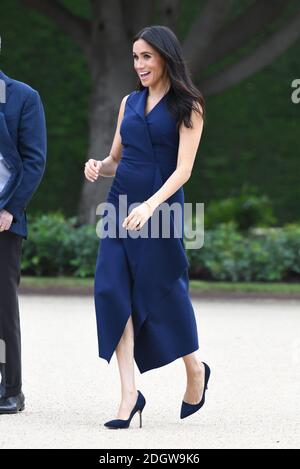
x: 246, y: 286
x: 196, y: 286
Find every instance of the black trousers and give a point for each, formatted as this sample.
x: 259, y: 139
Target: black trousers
x: 10, y: 335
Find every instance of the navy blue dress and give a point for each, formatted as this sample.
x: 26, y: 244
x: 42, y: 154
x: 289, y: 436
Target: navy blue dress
x: 145, y: 277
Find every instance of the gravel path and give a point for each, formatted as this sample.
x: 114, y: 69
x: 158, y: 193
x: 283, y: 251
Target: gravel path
x: 253, y: 348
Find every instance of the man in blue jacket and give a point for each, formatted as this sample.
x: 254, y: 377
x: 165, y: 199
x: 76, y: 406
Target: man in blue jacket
x: 22, y: 165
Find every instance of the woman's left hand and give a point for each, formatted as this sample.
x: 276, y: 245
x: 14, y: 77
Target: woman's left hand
x: 138, y: 217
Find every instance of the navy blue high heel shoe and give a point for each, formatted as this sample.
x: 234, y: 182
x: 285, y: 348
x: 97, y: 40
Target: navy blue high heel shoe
x: 139, y: 406
x: 189, y: 409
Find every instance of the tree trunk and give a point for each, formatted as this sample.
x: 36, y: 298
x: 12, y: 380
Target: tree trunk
x: 106, y: 96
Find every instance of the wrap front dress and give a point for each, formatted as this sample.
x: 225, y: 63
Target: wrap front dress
x: 146, y: 277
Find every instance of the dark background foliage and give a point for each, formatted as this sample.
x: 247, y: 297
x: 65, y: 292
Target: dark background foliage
x: 251, y: 134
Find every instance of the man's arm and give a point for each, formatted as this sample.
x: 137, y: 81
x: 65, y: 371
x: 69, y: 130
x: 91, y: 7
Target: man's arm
x: 32, y: 144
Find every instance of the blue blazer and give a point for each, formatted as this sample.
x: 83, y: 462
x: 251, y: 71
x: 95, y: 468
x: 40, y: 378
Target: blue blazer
x: 23, y: 146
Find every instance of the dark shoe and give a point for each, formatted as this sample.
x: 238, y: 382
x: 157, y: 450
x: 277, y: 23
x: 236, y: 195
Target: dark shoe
x: 189, y: 409
x: 139, y: 406
x: 12, y: 405
x: 1, y: 391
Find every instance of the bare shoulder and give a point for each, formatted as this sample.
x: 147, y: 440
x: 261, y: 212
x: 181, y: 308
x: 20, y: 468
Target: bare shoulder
x: 123, y: 102
x: 196, y: 117
x: 125, y: 99
x: 122, y: 106
x: 197, y: 112
x: 130, y: 95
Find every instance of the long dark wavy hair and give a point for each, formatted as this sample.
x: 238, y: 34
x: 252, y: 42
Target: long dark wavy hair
x: 183, y: 94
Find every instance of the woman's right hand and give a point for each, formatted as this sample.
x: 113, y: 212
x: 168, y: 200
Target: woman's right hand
x: 92, y: 170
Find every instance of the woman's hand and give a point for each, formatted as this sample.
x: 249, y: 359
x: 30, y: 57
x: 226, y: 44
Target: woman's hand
x: 92, y: 170
x: 138, y: 217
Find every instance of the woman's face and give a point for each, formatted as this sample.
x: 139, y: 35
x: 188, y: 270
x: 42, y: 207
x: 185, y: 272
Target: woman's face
x: 148, y: 63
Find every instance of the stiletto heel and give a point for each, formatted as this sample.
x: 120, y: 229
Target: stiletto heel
x: 139, y: 406
x: 189, y: 409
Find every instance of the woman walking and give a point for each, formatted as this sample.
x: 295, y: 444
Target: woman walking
x: 143, y: 308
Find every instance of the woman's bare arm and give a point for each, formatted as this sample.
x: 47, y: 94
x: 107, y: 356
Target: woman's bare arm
x: 110, y: 163
x: 108, y: 166
x: 189, y: 139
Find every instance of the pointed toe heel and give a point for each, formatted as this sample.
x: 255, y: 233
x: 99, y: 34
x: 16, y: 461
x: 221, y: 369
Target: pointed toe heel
x: 119, y: 423
x: 189, y: 409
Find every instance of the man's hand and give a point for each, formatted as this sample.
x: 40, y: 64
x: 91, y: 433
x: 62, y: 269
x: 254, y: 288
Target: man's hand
x: 6, y: 219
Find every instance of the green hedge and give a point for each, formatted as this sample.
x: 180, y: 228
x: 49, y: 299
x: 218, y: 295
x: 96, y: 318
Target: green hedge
x: 269, y: 254
x: 56, y: 246
x: 247, y: 210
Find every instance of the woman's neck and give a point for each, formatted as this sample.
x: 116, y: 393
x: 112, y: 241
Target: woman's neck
x: 160, y: 89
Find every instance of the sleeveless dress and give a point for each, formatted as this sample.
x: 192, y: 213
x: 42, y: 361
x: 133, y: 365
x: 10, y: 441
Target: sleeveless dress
x: 145, y: 277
